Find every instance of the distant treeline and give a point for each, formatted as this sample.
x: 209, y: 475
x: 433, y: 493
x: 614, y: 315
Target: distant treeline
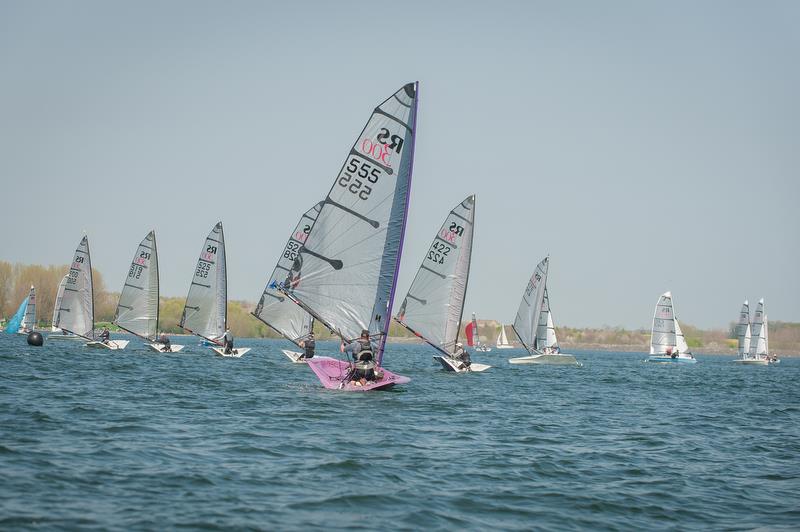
x: 16, y: 280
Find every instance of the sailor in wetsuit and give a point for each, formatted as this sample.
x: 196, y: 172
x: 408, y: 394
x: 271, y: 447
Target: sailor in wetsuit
x: 166, y: 345
x: 462, y: 357
x: 308, y: 345
x: 227, y: 342
x: 105, y: 335
x: 362, y: 352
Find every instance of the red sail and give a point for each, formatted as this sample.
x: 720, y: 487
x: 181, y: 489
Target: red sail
x: 470, y: 331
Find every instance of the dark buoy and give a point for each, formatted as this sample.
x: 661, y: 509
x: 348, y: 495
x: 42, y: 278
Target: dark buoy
x: 35, y: 339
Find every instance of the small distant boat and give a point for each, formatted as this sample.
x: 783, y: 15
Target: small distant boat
x: 755, y: 352
x: 351, y: 256
x: 744, y: 337
x: 534, y: 324
x: 473, y: 339
x: 275, y: 309
x: 205, y: 313
x: 24, y: 319
x: 667, y: 343
x: 502, y: 339
x: 434, y: 305
x: 55, y: 332
x: 137, y: 309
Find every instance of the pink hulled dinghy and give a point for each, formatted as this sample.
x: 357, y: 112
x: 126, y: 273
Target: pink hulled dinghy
x: 334, y: 375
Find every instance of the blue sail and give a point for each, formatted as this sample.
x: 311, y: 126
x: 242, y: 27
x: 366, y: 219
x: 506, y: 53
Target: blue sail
x: 14, y: 323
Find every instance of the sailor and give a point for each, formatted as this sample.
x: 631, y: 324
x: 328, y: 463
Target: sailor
x: 362, y: 353
x: 227, y: 342
x: 308, y: 345
x: 105, y: 335
x: 462, y: 357
x: 166, y: 344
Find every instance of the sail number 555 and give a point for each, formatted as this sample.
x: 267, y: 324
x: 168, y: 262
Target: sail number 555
x: 357, y: 175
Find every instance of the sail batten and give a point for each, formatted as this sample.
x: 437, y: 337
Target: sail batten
x: 442, y: 277
x: 206, y: 308
x: 137, y: 309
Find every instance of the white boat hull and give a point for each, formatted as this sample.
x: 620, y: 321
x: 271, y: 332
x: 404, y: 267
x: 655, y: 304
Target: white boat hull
x: 450, y: 364
x: 113, y: 345
x: 560, y: 359
x: 752, y: 361
x: 670, y: 360
x: 294, y: 356
x: 59, y: 336
x: 174, y: 348
x: 235, y: 353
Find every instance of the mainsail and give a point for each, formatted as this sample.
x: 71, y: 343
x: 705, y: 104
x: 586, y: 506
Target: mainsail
x: 76, y: 313
x: 137, y: 310
x: 434, y: 305
x: 502, y: 339
x: 743, y: 330
x: 59, y: 297
x: 545, y: 331
x: 206, y: 311
x: 680, y: 340
x: 526, y: 322
x: 350, y: 259
x: 29, y: 320
x: 758, y: 346
x: 471, y: 332
x: 14, y: 323
x: 274, y: 308
x: 663, y: 336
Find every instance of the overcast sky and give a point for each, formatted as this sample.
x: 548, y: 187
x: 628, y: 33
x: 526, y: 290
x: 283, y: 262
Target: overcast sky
x: 645, y: 146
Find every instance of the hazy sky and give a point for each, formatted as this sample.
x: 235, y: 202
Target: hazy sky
x: 646, y: 146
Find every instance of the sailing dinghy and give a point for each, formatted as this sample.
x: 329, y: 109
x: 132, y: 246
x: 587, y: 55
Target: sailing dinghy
x: 744, y: 336
x: 350, y: 259
x: 502, y: 339
x: 275, y: 309
x: 473, y: 338
x: 205, y: 313
x: 25, y: 315
x: 759, y: 347
x: 434, y: 305
x: 667, y: 343
x: 534, y: 324
x: 137, y: 309
x: 55, y: 332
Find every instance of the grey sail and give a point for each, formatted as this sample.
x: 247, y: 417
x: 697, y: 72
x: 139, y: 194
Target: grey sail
x: 663, y: 337
x: 76, y: 313
x: 206, y: 311
x: 434, y: 305
x: 743, y: 330
x: 29, y: 320
x: 545, y: 330
x: 274, y: 308
x: 57, y: 305
x: 137, y: 310
x: 526, y: 322
x: 349, y: 262
x: 758, y: 344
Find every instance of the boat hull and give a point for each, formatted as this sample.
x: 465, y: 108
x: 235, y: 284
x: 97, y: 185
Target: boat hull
x: 556, y: 359
x: 752, y: 361
x: 113, y: 345
x: 174, y: 348
x: 59, y: 336
x: 235, y: 353
x: 451, y: 365
x: 504, y: 347
x: 294, y: 356
x: 332, y: 373
x: 670, y: 360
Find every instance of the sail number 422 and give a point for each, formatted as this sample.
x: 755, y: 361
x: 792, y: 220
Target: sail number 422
x: 356, y: 176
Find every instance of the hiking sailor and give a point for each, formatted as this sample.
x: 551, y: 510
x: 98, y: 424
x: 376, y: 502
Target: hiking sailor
x: 308, y: 345
x: 461, y: 357
x: 166, y: 344
x: 362, y: 352
x: 227, y: 342
x: 104, y: 336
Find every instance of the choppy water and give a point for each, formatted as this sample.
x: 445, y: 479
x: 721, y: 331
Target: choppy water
x: 132, y: 440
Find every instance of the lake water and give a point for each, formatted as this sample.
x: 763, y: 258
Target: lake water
x: 137, y: 440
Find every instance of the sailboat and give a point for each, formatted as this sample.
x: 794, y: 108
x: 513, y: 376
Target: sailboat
x: 759, y: 347
x: 473, y: 339
x: 57, y: 333
x: 349, y: 262
x: 744, y: 336
x: 205, y: 313
x: 274, y: 308
x: 502, y: 339
x: 534, y: 323
x: 434, y: 305
x: 137, y: 309
x: 24, y: 318
x: 667, y: 343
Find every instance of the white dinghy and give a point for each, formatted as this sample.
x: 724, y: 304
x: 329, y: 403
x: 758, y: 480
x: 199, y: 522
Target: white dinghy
x: 667, y: 343
x: 137, y: 309
x: 502, y: 339
x: 744, y: 336
x: 434, y: 305
x: 205, y: 313
x: 759, y: 347
x: 274, y: 308
x: 534, y: 324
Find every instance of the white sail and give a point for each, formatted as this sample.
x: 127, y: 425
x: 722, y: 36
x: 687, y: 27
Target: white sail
x: 57, y: 305
x: 434, y: 305
x: 662, y: 338
x: 350, y: 259
x: 680, y: 340
x: 743, y: 329
x: 758, y: 345
x: 502, y: 339
x: 274, y: 308
x: 76, y: 313
x: 137, y: 310
x: 526, y: 321
x: 29, y: 320
x: 545, y: 330
x: 206, y: 311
